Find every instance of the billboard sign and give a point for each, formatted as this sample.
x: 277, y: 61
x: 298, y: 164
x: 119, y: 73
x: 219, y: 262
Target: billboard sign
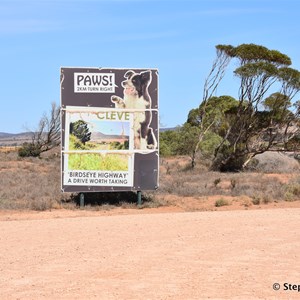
x: 109, y: 129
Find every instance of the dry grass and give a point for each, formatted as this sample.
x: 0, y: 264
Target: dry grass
x: 31, y: 183
x: 34, y: 183
x: 262, y: 186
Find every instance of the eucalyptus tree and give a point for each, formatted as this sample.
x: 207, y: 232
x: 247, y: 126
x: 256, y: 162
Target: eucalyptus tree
x: 202, y: 115
x: 265, y: 118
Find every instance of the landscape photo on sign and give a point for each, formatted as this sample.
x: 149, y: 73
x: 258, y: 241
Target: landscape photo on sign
x: 98, y: 161
x: 98, y: 130
x: 98, y: 135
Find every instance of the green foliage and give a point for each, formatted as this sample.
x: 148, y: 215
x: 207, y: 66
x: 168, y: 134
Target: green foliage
x: 194, y: 117
x: 277, y: 105
x: 29, y: 149
x: 218, y: 110
x: 75, y: 143
x: 248, y: 129
x: 188, y: 139
x: 252, y: 52
x: 289, y: 76
x: 256, y: 69
x: 227, y: 49
x: 277, y: 102
x: 168, y: 142
x: 232, y: 132
x: 92, y: 161
x: 213, y: 111
x: 209, y: 144
x: 182, y: 141
x: 164, y: 148
x: 119, y: 146
x: 80, y: 130
x: 212, y: 115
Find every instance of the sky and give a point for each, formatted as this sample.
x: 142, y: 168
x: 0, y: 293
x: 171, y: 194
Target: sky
x: 178, y: 37
x: 104, y: 126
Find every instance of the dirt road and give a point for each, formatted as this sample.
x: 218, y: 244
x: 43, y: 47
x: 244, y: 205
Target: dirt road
x: 197, y: 255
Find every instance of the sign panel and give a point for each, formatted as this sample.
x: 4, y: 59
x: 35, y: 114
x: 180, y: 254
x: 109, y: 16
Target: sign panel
x: 109, y: 129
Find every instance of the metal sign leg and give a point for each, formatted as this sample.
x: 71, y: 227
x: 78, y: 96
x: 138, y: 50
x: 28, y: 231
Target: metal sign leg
x: 81, y: 197
x: 139, y: 198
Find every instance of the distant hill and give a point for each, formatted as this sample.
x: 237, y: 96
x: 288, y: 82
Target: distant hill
x: 17, y: 139
x: 14, y: 139
x: 14, y: 135
x: 102, y: 136
x: 169, y: 129
x: 3, y: 134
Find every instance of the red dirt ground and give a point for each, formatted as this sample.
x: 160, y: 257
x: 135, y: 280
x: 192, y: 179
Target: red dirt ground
x: 159, y: 253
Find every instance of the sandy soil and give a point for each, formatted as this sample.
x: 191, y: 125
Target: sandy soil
x: 150, y: 254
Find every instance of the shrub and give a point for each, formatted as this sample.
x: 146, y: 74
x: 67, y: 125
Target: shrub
x: 221, y: 202
x: 29, y: 149
x: 165, y: 149
x: 256, y: 200
x: 292, y: 191
x: 40, y: 204
x: 259, y: 198
x: 233, y: 183
x: 75, y: 143
x: 217, y: 181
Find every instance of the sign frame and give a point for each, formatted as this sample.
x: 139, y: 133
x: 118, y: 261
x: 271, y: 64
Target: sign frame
x: 109, y: 129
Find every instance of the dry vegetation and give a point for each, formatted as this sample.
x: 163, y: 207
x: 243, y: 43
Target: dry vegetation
x: 275, y: 179
x: 34, y: 183
x: 29, y: 183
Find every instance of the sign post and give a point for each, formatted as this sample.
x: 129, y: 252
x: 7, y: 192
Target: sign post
x: 109, y: 129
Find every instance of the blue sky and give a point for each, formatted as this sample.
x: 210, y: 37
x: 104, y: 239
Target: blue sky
x: 109, y: 127
x: 103, y: 126
x: 176, y: 36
